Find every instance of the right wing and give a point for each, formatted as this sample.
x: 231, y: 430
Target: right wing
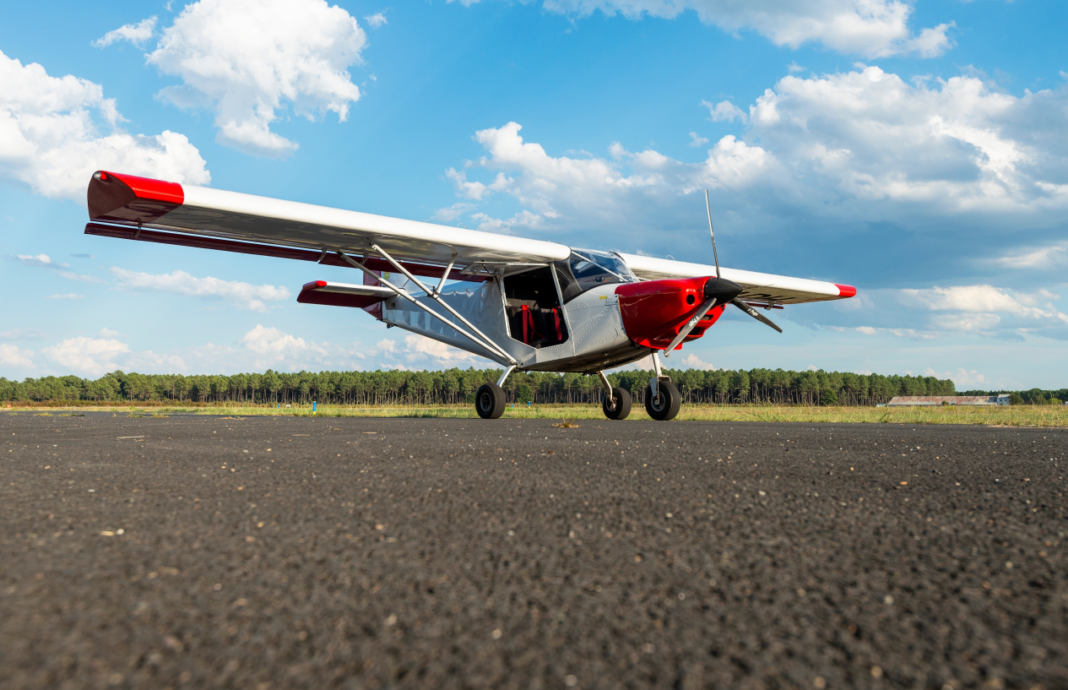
x: 759, y: 287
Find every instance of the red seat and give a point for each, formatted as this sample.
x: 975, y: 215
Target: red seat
x: 528, y: 325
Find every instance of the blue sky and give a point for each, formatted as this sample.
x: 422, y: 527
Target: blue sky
x: 918, y: 151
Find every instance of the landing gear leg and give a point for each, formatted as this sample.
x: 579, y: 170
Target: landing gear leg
x: 489, y: 399
x: 617, y: 401
x: 662, y: 398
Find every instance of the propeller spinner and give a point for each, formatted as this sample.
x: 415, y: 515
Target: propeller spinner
x: 717, y: 291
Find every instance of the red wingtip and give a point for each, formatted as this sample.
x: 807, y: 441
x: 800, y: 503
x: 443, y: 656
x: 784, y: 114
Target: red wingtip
x: 128, y: 198
x: 315, y: 285
x: 846, y: 290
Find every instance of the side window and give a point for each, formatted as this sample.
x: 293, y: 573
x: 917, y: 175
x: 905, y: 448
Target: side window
x: 532, y: 306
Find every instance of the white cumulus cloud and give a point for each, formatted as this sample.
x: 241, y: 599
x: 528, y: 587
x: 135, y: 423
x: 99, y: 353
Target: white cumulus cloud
x: 1046, y: 257
x: 249, y: 59
x: 872, y: 28
x: 419, y: 347
x: 245, y: 295
x: 90, y: 356
x: 376, y: 20
x: 137, y: 34
x: 45, y: 261
x: 591, y: 191
x: 953, y: 146
x: 724, y: 111
x: 39, y: 261
x: 962, y: 378
x: 692, y: 361
x: 15, y: 357
x: 271, y: 342
x: 984, y: 299
x: 858, y: 146
x: 56, y: 131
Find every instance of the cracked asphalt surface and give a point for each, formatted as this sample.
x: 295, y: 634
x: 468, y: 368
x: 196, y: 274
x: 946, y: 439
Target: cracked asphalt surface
x: 371, y: 553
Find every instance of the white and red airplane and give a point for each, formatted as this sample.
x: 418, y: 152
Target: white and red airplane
x: 528, y: 305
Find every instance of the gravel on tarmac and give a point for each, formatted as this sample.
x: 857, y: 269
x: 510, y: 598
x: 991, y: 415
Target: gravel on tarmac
x: 275, y: 552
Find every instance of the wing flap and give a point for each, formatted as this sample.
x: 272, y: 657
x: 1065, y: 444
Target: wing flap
x: 765, y: 288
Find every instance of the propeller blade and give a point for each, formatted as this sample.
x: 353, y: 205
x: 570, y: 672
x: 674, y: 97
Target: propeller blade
x: 701, y: 312
x: 712, y: 232
x: 755, y: 314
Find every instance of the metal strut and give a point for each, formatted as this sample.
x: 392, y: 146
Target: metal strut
x: 607, y: 383
x: 433, y: 294
x: 654, y: 382
x: 445, y: 275
x: 504, y: 376
x: 428, y: 310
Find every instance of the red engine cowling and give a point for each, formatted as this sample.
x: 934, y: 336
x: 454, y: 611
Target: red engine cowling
x: 655, y: 311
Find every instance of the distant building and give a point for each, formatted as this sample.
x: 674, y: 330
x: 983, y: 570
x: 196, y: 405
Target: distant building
x: 938, y: 400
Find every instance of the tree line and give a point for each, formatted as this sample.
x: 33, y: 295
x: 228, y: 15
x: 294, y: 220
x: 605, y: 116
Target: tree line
x: 1035, y: 396
x: 391, y: 387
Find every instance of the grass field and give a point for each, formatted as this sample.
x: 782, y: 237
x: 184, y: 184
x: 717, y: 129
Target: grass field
x: 1021, y: 415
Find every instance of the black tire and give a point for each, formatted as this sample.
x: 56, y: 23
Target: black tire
x: 489, y: 401
x: 620, y: 404
x: 666, y: 406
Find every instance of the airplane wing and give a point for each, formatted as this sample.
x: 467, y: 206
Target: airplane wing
x: 759, y: 287
x: 140, y: 208
x: 124, y: 205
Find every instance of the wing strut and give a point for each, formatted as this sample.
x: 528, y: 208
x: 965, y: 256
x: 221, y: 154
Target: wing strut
x: 433, y: 294
x: 404, y: 293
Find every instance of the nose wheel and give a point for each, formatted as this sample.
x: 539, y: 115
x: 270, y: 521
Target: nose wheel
x: 617, y: 406
x: 665, y: 405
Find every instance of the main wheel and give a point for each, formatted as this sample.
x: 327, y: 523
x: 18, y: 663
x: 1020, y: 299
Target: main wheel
x: 489, y: 401
x: 618, y: 407
x: 665, y: 406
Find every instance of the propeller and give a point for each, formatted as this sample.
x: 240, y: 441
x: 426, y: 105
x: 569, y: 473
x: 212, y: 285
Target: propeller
x: 717, y: 291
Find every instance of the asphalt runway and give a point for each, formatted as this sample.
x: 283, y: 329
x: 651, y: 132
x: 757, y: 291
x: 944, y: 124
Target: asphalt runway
x: 377, y: 553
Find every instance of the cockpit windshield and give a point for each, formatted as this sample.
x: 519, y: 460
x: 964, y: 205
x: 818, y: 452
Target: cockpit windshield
x: 587, y: 269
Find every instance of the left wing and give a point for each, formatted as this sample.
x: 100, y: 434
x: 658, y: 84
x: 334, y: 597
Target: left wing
x: 184, y: 210
x: 765, y: 288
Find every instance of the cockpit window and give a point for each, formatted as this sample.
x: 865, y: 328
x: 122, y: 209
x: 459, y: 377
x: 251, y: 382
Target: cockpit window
x: 586, y: 269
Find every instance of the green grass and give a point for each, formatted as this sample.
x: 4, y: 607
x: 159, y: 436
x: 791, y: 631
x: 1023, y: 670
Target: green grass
x: 1022, y: 415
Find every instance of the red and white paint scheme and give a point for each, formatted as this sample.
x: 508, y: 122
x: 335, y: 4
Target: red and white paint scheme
x: 524, y: 304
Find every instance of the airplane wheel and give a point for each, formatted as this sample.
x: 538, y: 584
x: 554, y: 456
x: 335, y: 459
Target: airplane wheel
x: 666, y: 406
x: 619, y: 406
x: 489, y: 401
